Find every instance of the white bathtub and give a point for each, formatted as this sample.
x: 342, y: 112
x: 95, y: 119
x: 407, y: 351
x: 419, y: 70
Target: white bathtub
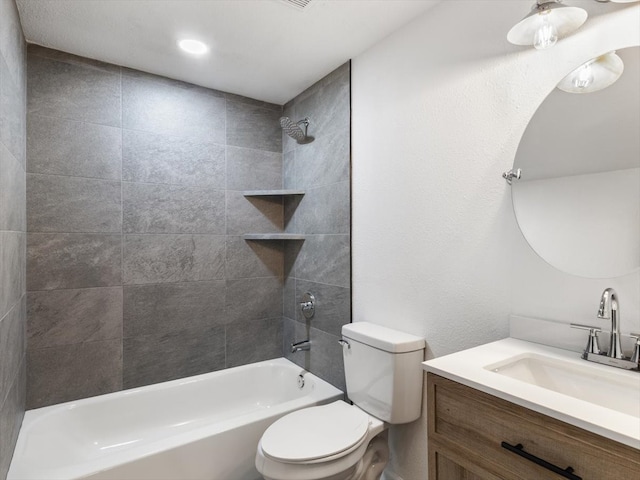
x: 204, y: 427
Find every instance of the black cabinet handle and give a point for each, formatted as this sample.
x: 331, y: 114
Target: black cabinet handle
x: 519, y: 450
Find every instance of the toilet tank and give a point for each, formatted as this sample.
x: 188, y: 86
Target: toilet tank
x: 383, y: 371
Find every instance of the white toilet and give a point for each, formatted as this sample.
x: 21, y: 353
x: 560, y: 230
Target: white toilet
x: 339, y: 441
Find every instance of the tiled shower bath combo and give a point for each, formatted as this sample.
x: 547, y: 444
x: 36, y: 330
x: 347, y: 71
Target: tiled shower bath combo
x: 137, y: 271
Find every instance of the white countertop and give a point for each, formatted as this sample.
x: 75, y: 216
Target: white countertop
x: 468, y: 368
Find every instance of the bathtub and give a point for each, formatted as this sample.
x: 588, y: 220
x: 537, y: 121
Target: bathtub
x: 201, y: 427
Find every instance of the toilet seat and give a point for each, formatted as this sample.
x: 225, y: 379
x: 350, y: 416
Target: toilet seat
x: 315, y: 434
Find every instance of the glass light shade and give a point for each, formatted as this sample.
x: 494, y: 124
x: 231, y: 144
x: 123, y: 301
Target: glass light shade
x: 563, y: 18
x: 593, y: 75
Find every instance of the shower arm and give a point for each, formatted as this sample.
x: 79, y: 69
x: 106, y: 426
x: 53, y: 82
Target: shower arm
x: 305, y: 122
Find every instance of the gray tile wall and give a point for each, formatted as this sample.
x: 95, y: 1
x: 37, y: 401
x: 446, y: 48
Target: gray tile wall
x: 136, y: 269
x: 322, y: 263
x: 12, y: 230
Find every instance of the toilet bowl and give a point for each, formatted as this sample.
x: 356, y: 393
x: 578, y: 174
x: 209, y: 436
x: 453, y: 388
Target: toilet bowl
x: 340, y: 441
x: 329, y: 442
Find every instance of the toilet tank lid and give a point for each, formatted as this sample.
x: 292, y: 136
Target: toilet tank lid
x: 382, y: 338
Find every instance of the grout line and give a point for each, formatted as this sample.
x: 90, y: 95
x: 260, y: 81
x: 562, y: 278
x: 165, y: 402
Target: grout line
x: 99, y: 179
x: 134, y: 285
x: 122, y: 256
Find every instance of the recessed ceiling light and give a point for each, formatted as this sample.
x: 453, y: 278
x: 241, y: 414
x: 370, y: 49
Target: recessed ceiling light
x: 195, y: 47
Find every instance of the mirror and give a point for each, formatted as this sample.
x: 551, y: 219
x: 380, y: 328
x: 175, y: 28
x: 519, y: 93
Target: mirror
x: 578, y: 199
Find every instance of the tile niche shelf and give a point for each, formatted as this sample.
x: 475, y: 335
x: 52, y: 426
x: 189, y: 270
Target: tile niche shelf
x: 272, y: 193
x: 273, y: 236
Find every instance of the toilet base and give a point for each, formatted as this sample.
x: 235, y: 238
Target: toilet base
x: 375, y: 459
x: 369, y: 467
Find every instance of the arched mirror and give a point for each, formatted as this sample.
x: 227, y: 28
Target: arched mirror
x: 577, y: 201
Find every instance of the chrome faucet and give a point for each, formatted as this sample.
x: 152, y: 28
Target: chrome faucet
x: 303, y: 346
x: 609, y: 309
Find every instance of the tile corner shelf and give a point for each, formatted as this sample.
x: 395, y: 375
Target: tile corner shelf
x: 271, y: 193
x: 273, y: 236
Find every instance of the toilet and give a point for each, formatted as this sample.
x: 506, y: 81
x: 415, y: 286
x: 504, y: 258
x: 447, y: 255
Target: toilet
x: 340, y: 441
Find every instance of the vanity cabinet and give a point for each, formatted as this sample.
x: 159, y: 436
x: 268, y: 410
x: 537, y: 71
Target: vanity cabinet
x: 477, y: 436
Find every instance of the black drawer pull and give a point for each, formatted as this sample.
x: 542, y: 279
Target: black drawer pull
x: 519, y: 450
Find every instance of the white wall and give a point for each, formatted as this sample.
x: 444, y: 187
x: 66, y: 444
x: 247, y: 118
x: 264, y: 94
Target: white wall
x: 438, y: 111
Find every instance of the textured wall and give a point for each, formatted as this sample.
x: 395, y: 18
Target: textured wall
x: 320, y: 264
x: 437, y: 116
x: 136, y: 270
x: 12, y: 230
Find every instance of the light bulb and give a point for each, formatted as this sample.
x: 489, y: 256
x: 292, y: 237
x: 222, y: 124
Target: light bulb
x: 547, y: 34
x: 583, y: 76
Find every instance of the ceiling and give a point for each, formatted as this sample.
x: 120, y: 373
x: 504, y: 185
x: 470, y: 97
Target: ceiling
x: 263, y: 49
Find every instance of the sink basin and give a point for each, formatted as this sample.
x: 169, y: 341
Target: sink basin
x: 610, y: 390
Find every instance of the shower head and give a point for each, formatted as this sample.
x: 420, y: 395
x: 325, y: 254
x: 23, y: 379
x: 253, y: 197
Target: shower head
x: 294, y: 130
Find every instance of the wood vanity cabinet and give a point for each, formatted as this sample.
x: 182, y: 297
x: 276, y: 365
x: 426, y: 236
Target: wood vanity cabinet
x: 467, y: 429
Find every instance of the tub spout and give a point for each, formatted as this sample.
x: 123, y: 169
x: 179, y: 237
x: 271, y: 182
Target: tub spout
x: 304, y: 345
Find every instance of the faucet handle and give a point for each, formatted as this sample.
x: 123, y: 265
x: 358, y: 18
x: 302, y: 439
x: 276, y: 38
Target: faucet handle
x: 592, y: 344
x: 586, y: 327
x: 635, y: 356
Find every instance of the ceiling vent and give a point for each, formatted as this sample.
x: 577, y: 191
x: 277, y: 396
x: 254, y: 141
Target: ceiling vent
x: 298, y: 4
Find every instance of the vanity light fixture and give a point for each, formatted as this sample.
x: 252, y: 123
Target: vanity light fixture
x: 546, y: 23
x: 192, y: 46
x: 594, y: 75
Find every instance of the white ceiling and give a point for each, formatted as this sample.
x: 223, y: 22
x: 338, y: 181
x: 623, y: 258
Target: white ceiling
x: 264, y: 49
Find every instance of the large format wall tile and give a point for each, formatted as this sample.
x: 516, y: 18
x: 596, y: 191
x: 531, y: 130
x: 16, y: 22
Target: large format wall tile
x: 324, y: 359
x: 12, y: 118
x: 324, y: 161
x: 11, y: 415
x: 71, y: 204
x: 12, y: 192
x: 325, y: 259
x: 73, y: 92
x: 333, y: 306
x: 160, y: 357
x: 254, y: 298
x: 252, y: 126
x: 253, y: 258
x: 324, y: 210
x: 70, y: 316
x: 320, y: 264
x: 12, y: 45
x: 152, y: 158
x: 329, y: 107
x: 171, y: 307
x: 253, y: 214
x: 12, y: 262
x: 289, y: 180
x: 12, y: 230
x: 12, y: 341
x: 172, y: 209
x: 44, y: 52
x: 60, y: 260
x: 173, y: 258
x: 132, y: 180
x: 68, y: 372
x: 251, y: 341
x: 63, y: 147
x: 250, y: 169
x: 174, y: 108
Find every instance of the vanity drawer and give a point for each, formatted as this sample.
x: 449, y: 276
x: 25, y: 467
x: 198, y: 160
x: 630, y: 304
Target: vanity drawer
x: 472, y: 425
